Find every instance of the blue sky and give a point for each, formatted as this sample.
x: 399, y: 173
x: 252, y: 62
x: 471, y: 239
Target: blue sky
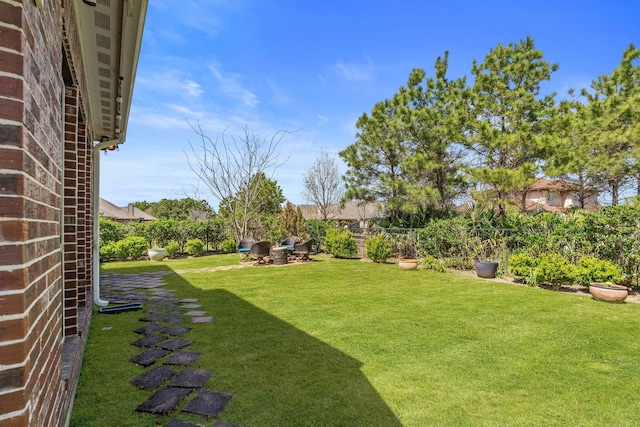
x: 314, y: 67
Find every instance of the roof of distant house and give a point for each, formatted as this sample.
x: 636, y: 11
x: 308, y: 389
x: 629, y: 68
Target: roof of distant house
x: 129, y: 213
x: 351, y: 211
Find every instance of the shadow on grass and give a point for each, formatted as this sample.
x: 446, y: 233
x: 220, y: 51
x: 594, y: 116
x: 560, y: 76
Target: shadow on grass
x: 280, y: 375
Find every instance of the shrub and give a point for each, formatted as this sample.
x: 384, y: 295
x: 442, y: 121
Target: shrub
x: 340, y: 244
x: 592, y: 269
x: 172, y: 248
x: 131, y: 247
x: 520, y: 265
x: 228, y: 246
x: 108, y: 250
x: 195, y: 247
x: 432, y: 263
x: 378, y: 248
x: 555, y: 270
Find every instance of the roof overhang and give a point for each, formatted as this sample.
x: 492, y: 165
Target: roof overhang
x: 109, y: 36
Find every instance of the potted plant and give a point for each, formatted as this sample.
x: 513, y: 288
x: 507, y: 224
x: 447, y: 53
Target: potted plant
x: 485, y: 266
x: 603, y: 278
x: 407, y: 247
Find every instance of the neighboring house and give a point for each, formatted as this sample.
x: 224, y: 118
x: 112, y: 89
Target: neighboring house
x: 352, y: 212
x: 67, y: 71
x: 128, y: 214
x: 558, y: 196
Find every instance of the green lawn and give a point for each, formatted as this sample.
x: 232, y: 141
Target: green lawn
x: 351, y: 343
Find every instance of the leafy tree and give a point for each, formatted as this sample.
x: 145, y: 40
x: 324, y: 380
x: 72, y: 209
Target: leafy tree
x: 239, y: 172
x: 375, y: 160
x: 292, y: 222
x: 508, y: 119
x: 322, y: 185
x: 432, y: 112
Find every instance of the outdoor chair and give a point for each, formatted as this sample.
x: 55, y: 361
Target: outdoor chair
x: 260, y: 250
x: 303, y: 250
x: 290, y: 242
x: 244, y: 247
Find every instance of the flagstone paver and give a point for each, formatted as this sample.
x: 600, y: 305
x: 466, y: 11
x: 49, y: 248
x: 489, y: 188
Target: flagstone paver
x: 150, y: 341
x: 164, y: 400
x: 198, y: 319
x: 191, y: 378
x: 149, y: 357
x: 153, y: 378
x: 195, y: 313
x: 175, y: 344
x: 182, y: 358
x: 209, y: 403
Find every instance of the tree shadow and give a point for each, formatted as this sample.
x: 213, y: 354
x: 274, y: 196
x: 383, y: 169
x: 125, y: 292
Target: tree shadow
x: 280, y: 375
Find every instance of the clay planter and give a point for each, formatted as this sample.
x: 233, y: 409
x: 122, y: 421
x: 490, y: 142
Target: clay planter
x: 486, y: 269
x: 408, y: 264
x: 157, y: 254
x: 609, y: 293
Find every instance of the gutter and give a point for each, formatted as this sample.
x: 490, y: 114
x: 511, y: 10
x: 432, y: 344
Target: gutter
x: 96, y: 219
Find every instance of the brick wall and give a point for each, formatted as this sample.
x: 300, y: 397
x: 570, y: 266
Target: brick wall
x: 42, y: 166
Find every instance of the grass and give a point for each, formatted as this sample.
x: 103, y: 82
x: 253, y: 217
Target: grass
x: 351, y: 343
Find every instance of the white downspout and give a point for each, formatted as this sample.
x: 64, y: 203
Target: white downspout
x: 96, y: 220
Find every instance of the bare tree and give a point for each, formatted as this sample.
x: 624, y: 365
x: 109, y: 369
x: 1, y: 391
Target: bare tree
x: 228, y: 167
x: 322, y: 185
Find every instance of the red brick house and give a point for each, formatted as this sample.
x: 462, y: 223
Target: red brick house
x: 67, y: 70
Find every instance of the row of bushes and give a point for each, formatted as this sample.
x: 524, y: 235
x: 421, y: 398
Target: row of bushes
x: 131, y: 240
x: 575, y: 248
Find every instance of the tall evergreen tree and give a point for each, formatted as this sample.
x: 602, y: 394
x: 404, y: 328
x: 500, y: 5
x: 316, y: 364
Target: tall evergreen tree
x: 374, y: 161
x: 508, y: 119
x: 432, y: 112
x: 614, y: 114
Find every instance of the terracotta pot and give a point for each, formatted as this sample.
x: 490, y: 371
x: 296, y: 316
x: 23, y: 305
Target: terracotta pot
x: 610, y: 293
x: 408, y: 264
x: 157, y: 254
x: 486, y: 269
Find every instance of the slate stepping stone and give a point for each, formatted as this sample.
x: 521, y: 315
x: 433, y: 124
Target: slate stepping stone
x: 155, y: 310
x: 207, y: 319
x: 208, y: 403
x: 149, y: 357
x: 149, y: 329
x: 175, y: 344
x: 176, y: 330
x: 195, y: 313
x: 180, y: 423
x: 154, y: 318
x: 174, y: 312
x: 191, y: 305
x: 153, y: 378
x: 174, y: 319
x: 188, y: 300
x: 191, y: 378
x: 150, y: 341
x: 164, y: 400
x: 182, y: 358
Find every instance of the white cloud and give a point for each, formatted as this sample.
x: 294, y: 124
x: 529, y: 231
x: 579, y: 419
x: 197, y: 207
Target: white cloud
x: 352, y: 71
x: 231, y: 84
x: 170, y: 81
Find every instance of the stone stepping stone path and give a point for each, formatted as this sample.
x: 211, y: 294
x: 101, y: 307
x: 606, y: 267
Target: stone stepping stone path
x: 164, y: 314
